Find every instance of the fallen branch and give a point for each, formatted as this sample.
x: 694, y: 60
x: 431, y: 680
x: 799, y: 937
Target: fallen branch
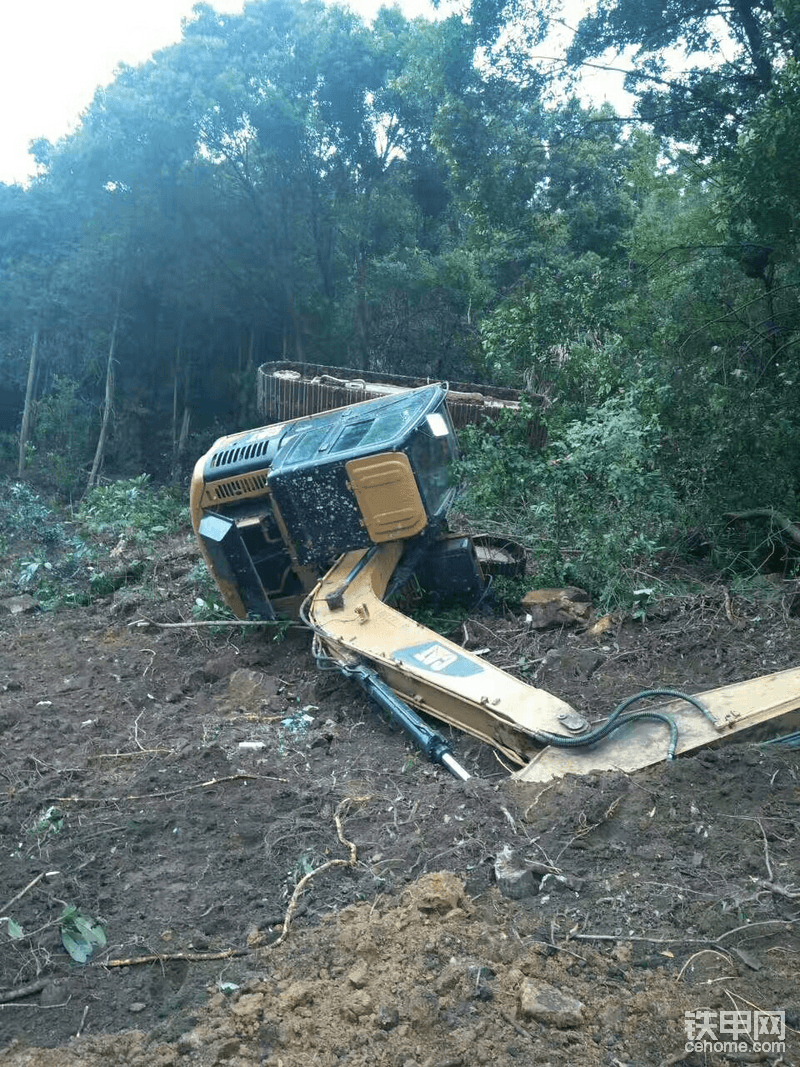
x: 158, y: 957
x: 129, y: 755
x: 143, y: 621
x: 788, y: 891
x: 167, y: 792
x: 791, y: 529
x: 8, y: 995
x: 682, y: 940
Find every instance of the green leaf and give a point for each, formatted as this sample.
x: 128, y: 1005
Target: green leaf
x: 89, y: 931
x: 14, y: 930
x: 79, y: 935
x: 79, y: 949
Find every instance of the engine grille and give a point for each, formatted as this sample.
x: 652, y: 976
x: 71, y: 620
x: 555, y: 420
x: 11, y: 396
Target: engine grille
x: 239, y: 487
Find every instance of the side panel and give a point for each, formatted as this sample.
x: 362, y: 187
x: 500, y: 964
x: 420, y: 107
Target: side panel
x: 388, y: 496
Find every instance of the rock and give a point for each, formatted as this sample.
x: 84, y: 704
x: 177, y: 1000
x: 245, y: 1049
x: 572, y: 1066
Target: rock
x: 557, y: 607
x: 572, y: 662
x: 440, y: 892
x: 602, y: 624
x: 423, y: 1009
x: 542, y: 1001
x: 514, y: 878
x: 298, y: 993
x: 19, y: 605
x: 137, y: 1007
x: 53, y: 993
x: 190, y: 1042
x: 248, y: 1004
x: 249, y: 690
x: 357, y: 1005
x: 357, y: 976
x: 387, y: 1017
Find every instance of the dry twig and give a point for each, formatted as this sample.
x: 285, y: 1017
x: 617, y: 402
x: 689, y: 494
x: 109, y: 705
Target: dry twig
x: 167, y: 792
x: 34, y: 882
x: 702, y: 952
x: 8, y: 995
x: 300, y: 887
x: 158, y: 957
x: 683, y: 940
x: 143, y: 621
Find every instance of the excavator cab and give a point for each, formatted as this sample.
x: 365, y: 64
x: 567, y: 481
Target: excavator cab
x: 274, y: 507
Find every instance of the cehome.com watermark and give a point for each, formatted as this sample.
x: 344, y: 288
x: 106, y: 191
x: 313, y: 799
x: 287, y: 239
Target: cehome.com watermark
x: 708, y: 1030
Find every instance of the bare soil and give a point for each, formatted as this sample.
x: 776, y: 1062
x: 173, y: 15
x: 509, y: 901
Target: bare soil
x: 176, y: 784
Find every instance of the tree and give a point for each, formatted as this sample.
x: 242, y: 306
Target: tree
x: 728, y: 71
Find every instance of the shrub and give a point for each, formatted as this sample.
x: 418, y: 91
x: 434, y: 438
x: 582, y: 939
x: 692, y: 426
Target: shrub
x: 592, y: 507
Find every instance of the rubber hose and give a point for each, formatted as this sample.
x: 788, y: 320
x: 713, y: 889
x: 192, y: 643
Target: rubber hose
x: 614, y: 721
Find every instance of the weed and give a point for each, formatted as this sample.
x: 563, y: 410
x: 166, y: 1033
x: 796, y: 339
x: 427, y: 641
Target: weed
x: 80, y: 936
x: 590, y: 507
x: 642, y: 599
x: 50, y: 821
x: 132, y: 508
x: 210, y: 610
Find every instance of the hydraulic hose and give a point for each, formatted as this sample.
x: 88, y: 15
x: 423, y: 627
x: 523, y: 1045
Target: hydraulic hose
x: 616, y: 720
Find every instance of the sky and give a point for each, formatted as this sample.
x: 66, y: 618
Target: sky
x: 55, y: 53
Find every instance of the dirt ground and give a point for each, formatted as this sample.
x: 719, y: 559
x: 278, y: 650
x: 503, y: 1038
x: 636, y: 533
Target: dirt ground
x: 175, y: 784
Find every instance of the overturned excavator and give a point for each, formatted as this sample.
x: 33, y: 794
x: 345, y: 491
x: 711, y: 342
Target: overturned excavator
x: 327, y: 517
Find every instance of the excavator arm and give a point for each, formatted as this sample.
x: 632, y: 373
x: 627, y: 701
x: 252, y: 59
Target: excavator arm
x: 432, y: 674
x: 353, y: 625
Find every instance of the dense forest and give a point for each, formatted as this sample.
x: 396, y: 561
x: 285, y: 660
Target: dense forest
x: 432, y: 198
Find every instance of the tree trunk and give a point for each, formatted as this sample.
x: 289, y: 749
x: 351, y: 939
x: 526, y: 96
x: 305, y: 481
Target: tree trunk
x: 179, y: 450
x: 26, y: 411
x: 109, y: 402
x: 361, y: 360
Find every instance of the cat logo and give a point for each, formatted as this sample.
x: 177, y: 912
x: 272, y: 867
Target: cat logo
x: 438, y: 658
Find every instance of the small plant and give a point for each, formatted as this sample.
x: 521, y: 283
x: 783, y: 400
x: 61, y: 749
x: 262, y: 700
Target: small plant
x: 80, y: 936
x: 281, y: 629
x: 209, y: 610
x: 29, y: 569
x: 15, y: 931
x: 642, y: 598
x: 50, y: 821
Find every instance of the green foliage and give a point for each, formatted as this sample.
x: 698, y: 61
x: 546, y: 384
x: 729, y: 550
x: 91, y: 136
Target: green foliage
x: 76, y: 566
x: 592, y: 507
x: 210, y: 609
x: 49, y: 822
x: 132, y: 508
x: 80, y: 936
x: 62, y: 421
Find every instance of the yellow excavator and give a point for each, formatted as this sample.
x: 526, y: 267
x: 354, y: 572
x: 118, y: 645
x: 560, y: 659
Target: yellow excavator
x: 326, y: 518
